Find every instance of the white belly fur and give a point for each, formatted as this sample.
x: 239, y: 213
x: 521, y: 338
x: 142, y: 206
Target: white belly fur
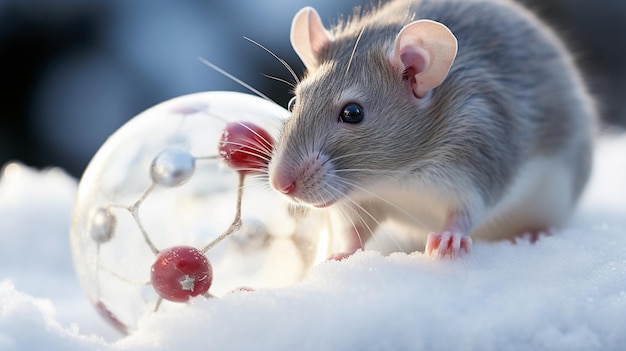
x: 540, y: 198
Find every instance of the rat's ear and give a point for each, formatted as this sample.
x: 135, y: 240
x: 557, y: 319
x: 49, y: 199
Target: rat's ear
x: 308, y: 36
x: 424, y: 50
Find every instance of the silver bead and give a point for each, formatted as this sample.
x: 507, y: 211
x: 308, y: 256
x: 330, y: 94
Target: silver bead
x: 172, y: 167
x: 102, y: 225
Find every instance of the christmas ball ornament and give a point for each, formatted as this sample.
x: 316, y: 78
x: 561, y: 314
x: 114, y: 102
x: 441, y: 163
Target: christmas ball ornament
x: 175, y: 206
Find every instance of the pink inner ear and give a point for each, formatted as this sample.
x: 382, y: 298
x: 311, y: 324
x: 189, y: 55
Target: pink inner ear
x: 415, y: 61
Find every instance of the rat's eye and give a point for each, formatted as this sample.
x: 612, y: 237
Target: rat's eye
x: 351, y: 113
x: 291, y: 104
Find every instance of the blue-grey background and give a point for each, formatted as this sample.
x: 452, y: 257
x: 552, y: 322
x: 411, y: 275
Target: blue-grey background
x: 73, y: 71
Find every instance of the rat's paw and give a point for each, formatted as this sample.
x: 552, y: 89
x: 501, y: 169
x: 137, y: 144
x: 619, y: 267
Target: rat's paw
x: 447, y: 244
x: 532, y: 236
x: 340, y: 256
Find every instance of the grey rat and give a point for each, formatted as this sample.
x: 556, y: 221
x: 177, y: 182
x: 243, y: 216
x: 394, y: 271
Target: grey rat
x: 468, y: 118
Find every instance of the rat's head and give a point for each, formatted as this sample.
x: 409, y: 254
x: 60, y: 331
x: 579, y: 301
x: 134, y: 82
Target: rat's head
x: 358, y: 115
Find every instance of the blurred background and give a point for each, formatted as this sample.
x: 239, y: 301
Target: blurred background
x: 73, y: 71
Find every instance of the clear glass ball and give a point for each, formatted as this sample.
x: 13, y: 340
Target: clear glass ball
x: 159, y: 182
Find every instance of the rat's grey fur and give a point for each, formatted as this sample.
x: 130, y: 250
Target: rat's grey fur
x: 512, y: 95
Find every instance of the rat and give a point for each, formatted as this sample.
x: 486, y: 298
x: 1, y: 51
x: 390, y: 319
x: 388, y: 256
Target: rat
x: 466, y: 118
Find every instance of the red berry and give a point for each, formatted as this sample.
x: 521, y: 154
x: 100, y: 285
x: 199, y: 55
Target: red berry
x: 245, y: 146
x: 180, y: 273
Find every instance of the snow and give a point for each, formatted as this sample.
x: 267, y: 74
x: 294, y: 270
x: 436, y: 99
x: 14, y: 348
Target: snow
x: 564, y: 292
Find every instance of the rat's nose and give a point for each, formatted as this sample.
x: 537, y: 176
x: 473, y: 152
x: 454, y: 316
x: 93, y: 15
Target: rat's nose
x: 287, y: 189
x: 282, y: 182
x: 285, y: 186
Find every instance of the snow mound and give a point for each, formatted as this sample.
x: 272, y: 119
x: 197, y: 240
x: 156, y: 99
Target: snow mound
x: 565, y: 292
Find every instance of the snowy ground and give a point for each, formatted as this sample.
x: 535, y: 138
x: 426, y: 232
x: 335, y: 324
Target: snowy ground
x: 566, y: 292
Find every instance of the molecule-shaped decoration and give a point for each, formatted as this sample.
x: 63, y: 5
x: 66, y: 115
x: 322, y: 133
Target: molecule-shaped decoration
x: 176, y: 204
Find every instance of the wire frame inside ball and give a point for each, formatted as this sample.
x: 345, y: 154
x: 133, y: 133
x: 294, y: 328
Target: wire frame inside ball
x: 162, y: 187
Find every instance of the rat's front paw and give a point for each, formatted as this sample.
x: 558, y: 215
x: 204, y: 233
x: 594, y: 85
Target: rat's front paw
x: 447, y: 244
x: 339, y: 256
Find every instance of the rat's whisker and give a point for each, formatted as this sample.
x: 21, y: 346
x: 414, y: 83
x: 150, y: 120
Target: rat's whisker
x: 258, y: 185
x: 359, y: 211
x: 378, y: 224
x: 356, y: 44
x: 235, y: 79
x: 257, y: 153
x: 267, y: 143
x: 348, y: 214
x: 368, y: 153
x: 355, y: 227
x: 367, y: 226
x: 283, y: 62
x: 400, y: 209
x: 370, y: 171
x: 293, y: 86
x: 352, y: 224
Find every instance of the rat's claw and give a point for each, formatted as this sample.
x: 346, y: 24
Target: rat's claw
x: 447, y: 244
